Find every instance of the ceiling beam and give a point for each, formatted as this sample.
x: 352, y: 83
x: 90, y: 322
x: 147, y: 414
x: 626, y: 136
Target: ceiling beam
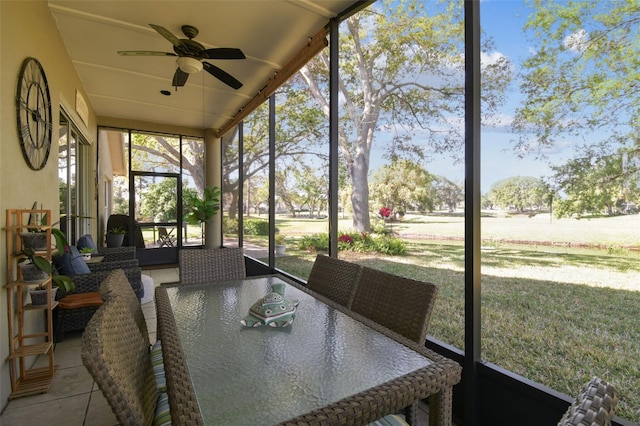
x: 314, y: 45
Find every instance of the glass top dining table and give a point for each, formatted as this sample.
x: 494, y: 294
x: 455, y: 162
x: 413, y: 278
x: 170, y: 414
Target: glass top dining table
x: 266, y: 375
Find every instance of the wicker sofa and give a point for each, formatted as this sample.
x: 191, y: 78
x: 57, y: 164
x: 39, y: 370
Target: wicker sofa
x: 112, y: 254
x: 77, y: 319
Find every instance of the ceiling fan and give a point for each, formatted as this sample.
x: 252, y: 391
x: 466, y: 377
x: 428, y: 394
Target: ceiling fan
x: 191, y: 55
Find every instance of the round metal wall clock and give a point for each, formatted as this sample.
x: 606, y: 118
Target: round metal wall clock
x: 33, y: 108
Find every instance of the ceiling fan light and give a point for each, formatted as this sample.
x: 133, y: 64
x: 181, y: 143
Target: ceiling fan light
x: 189, y: 65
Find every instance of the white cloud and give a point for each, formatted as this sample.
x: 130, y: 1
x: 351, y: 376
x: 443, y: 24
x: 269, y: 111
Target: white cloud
x: 577, y: 41
x: 492, y: 58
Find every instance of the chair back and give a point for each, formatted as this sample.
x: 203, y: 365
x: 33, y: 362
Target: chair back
x: 114, y: 254
x: 401, y: 304
x: 207, y: 265
x: 334, y: 278
x: 117, y: 284
x: 595, y: 405
x: 117, y: 357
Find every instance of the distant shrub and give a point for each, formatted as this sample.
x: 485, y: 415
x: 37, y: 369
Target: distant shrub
x: 345, y: 238
x: 345, y: 242
x: 256, y: 227
x: 315, y: 242
x: 359, y: 242
x: 390, y: 245
x: 492, y: 243
x: 618, y: 251
x: 229, y: 225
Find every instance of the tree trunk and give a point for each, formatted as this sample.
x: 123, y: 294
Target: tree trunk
x: 360, y: 194
x: 291, y: 208
x: 233, y: 205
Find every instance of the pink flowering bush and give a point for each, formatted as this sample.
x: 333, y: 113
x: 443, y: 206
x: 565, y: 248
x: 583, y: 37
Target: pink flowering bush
x: 360, y: 242
x: 345, y: 238
x: 345, y: 242
x: 385, y: 212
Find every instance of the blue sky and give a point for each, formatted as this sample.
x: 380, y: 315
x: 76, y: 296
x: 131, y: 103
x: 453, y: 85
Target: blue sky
x: 502, y: 20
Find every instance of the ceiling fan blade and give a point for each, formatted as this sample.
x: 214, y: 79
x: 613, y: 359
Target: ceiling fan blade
x: 179, y: 78
x: 222, y: 53
x: 167, y: 34
x: 144, y: 53
x: 221, y: 75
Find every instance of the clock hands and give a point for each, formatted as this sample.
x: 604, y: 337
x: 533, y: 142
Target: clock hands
x: 36, y: 115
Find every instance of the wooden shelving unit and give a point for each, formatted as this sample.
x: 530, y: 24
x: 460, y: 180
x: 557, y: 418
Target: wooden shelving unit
x: 25, y: 346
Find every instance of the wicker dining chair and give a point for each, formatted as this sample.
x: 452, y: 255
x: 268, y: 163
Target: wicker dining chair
x: 334, y: 278
x: 595, y: 405
x: 207, y: 265
x: 401, y: 304
x: 117, y: 357
x: 117, y: 284
x: 182, y: 397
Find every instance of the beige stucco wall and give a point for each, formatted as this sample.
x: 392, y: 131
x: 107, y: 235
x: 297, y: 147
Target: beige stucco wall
x: 28, y: 29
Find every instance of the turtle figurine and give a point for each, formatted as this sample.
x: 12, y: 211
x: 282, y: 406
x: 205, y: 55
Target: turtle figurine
x: 272, y: 310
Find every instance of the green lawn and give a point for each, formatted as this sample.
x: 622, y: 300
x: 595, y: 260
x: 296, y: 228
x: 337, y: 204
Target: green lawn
x: 557, y: 315
x: 614, y: 231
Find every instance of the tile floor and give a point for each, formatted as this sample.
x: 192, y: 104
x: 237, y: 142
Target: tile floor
x: 74, y: 399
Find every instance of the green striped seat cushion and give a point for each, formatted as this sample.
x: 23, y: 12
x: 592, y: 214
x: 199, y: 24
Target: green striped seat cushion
x: 162, y: 415
x: 158, y: 366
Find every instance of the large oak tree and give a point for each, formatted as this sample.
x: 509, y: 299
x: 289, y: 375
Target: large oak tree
x: 581, y: 88
x: 402, y: 71
x: 300, y: 128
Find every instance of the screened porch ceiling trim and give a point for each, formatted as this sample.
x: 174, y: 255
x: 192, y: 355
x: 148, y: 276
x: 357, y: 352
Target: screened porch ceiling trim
x: 304, y: 55
x: 277, y: 38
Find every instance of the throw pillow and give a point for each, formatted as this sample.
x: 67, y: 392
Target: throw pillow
x: 71, y: 263
x: 86, y: 241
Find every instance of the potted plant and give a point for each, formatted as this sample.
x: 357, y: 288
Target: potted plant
x: 35, y: 237
x: 32, y: 267
x: 280, y: 244
x: 115, y: 237
x: 36, y: 269
x: 200, y: 209
x: 86, y: 252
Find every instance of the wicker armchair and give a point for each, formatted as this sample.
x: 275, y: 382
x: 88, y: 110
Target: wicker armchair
x: 207, y: 265
x: 112, y: 265
x: 117, y: 284
x: 334, y: 278
x: 117, y: 357
x: 112, y: 254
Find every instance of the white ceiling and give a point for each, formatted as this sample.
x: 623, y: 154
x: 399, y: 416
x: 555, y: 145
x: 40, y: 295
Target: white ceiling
x: 269, y: 32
